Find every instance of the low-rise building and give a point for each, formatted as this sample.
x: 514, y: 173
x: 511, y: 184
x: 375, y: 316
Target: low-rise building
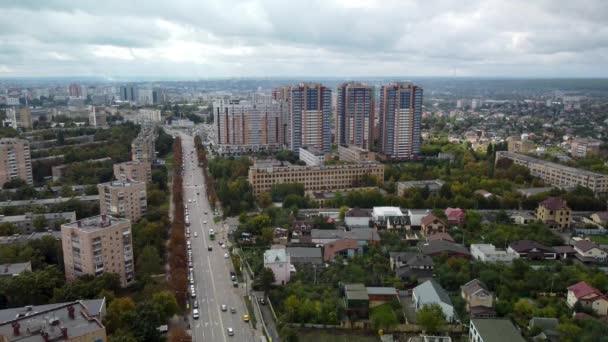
x: 441, y: 247
x: 548, y: 327
x: 312, y: 156
x: 489, y: 253
x: 531, y: 250
x: 585, y: 147
x: 433, y: 186
x: 364, y: 236
x: 70, y: 322
x: 493, y: 330
x: 300, y: 231
x: 443, y: 236
x: 381, y: 295
x: 554, y: 212
x: 600, y: 218
x: 431, y: 224
x: 389, y: 218
x: 517, y: 145
x: 279, y: 261
x: 589, y: 251
x: 478, y: 299
x: 96, y: 308
x: 305, y: 255
x: 11, y: 270
x: 355, y: 154
x: 523, y: 218
x: 429, y: 293
x: 356, y: 301
x: 455, y: 216
x: 409, y: 265
x: 24, y: 224
x: 345, y: 248
x: 357, y: 217
x: 588, y: 297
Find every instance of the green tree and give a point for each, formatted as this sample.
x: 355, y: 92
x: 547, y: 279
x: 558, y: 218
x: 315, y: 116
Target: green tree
x: 264, y: 280
x: 7, y: 228
x: 383, y: 317
x: 264, y: 200
x: 166, y: 304
x: 431, y: 318
x: 289, y: 334
x: 569, y: 332
x: 292, y: 305
x: 122, y: 336
x: 119, y: 313
x: 39, y: 223
x: 267, y: 235
x: 343, y: 210
x: 148, y: 262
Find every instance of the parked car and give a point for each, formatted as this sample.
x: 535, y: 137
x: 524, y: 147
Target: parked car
x: 224, y: 307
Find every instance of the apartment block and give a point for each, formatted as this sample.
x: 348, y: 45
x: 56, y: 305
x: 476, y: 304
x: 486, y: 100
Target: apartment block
x: 134, y: 170
x: 355, y: 154
x: 242, y: 126
x: 557, y: 174
x: 125, y: 199
x: 584, y: 147
x: 15, y: 160
x: 142, y: 147
x: 263, y: 174
x: 400, y: 117
x: 19, y: 118
x: 150, y: 115
x: 97, y: 118
x: 96, y: 245
x: 311, y: 156
x: 518, y: 145
x: 355, y: 115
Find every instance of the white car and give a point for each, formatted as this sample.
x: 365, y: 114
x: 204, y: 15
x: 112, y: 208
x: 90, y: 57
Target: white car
x: 230, y: 332
x: 189, y: 201
x: 225, y: 255
x: 224, y: 246
x: 204, y: 222
x: 195, y: 234
x: 224, y: 307
x: 195, y: 313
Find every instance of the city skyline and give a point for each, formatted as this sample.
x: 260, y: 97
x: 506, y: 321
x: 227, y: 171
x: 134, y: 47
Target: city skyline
x: 192, y: 40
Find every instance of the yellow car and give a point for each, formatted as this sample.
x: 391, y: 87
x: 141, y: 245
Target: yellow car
x: 246, y: 318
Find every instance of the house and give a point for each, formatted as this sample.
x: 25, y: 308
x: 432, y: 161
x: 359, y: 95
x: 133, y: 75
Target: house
x: 357, y: 217
x: 280, y: 235
x: 381, y: 295
x: 305, y: 255
x: 440, y: 247
x: 430, y: 225
x: 532, y: 250
x: 346, y: 248
x: 548, y: 327
x: 389, y: 218
x: 589, y: 251
x: 416, y: 217
x: 301, y: 231
x: 493, y: 330
x: 554, y: 212
x: 408, y: 265
x: 588, y: 297
x: 523, y: 218
x: 365, y: 236
x: 16, y: 269
x: 488, y: 253
x: 443, y: 236
x: 455, y: 215
x: 479, y: 300
x: 430, y: 292
x: 600, y: 218
x: 564, y: 252
x: 356, y: 301
x: 279, y: 262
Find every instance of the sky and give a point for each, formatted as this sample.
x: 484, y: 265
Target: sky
x: 284, y: 38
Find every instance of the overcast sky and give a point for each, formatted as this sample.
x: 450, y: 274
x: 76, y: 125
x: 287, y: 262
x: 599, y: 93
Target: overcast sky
x: 218, y: 38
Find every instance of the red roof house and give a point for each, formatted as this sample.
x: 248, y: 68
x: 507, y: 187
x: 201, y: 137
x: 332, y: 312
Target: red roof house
x: 344, y: 247
x: 454, y: 215
x: 587, y: 296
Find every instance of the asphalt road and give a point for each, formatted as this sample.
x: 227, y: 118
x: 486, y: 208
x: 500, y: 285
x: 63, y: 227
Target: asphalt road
x: 211, y: 269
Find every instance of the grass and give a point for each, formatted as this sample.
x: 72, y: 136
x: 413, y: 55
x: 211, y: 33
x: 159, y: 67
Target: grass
x: 600, y: 239
x: 318, y: 335
x: 252, y: 318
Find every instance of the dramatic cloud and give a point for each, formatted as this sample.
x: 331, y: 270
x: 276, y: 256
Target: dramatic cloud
x: 215, y: 38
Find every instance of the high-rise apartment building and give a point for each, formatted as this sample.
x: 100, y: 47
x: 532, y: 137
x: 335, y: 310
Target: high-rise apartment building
x: 144, y: 96
x: 21, y: 118
x: 125, y: 199
x: 97, y: 118
x: 128, y: 93
x: 243, y: 126
x: 138, y: 171
x: 355, y: 115
x: 400, y: 117
x: 96, y: 245
x: 15, y: 160
x: 308, y: 116
x: 75, y: 90
x: 142, y: 147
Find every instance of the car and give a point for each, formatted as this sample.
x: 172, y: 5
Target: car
x: 195, y: 234
x: 198, y: 193
x: 246, y: 318
x: 233, y: 277
x: 224, y: 307
x: 195, y: 304
x: 194, y: 200
x: 235, y: 284
x: 189, y: 263
x: 195, y: 314
x: 224, y: 246
x: 263, y: 301
x: 225, y: 255
x: 204, y: 222
x: 193, y: 294
x: 189, y: 201
x: 209, y: 248
x: 232, y: 310
x: 230, y: 332
x: 232, y: 274
x: 206, y: 213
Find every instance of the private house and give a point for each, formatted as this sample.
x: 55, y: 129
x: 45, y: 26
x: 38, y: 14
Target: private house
x: 305, y: 255
x: 489, y: 253
x: 455, y: 216
x: 365, y: 236
x: 554, y: 212
x: 416, y: 216
x: 381, y: 295
x: 600, y: 218
x: 588, y: 297
x: 389, y: 218
x: 345, y: 248
x: 278, y: 260
x: 523, y: 218
x: 441, y: 247
x: 430, y: 292
x: 356, y: 217
x: 12, y: 270
x: 548, y: 327
x: 280, y: 236
x: 589, y: 251
x: 532, y: 250
x: 479, y: 300
x: 493, y: 330
x: 356, y: 301
x: 301, y: 231
x: 564, y: 252
x: 409, y: 265
x: 430, y: 225
x: 440, y: 237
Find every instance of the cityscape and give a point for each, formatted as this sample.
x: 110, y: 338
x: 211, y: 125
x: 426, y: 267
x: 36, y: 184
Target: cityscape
x: 264, y: 179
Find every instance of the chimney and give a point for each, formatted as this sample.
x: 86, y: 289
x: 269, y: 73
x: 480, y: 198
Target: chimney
x: 71, y: 312
x: 16, y: 327
x: 64, y: 333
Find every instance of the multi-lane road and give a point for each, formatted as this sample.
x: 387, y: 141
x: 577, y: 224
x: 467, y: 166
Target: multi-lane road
x: 211, y: 269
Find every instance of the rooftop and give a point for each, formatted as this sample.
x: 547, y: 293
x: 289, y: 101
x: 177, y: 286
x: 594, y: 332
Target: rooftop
x: 121, y: 183
x: 526, y: 245
x: 582, y: 289
x: 554, y: 203
x: 386, y: 211
x: 304, y: 252
x: 278, y: 255
x: 497, y: 330
x: 431, y: 292
x: 356, y: 292
x: 361, y: 234
x: 473, y: 286
x: 14, y: 269
x: 550, y: 164
x: 586, y: 245
x: 442, y: 246
x: 95, y: 307
x: 382, y: 291
x: 96, y: 222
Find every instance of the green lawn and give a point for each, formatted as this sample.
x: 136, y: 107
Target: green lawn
x: 600, y: 239
x: 318, y: 335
